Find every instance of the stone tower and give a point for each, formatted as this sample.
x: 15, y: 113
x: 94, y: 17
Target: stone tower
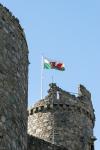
x: 13, y: 83
x: 64, y: 119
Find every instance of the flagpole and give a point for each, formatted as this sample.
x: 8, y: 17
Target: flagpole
x: 42, y: 77
x: 52, y: 79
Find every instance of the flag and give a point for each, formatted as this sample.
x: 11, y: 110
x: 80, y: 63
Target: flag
x: 52, y: 64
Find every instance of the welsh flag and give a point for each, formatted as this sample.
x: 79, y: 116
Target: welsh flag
x: 52, y: 64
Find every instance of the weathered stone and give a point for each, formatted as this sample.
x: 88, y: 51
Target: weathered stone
x: 13, y: 83
x: 3, y: 119
x: 69, y: 122
x: 39, y: 144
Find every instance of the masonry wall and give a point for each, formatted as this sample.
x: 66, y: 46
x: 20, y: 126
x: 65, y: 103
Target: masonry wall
x: 13, y: 83
x: 38, y: 144
x: 64, y: 119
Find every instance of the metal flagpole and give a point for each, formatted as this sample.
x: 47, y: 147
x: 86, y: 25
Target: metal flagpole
x: 52, y: 76
x: 53, y: 122
x: 52, y: 79
x: 42, y: 77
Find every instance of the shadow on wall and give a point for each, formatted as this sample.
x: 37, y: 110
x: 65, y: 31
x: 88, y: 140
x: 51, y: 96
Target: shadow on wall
x: 35, y: 143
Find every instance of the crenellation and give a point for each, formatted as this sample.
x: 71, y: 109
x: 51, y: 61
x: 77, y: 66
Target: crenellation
x: 82, y: 91
x: 61, y: 107
x: 73, y: 106
x: 66, y: 112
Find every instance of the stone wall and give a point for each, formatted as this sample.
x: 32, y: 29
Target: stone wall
x: 64, y: 119
x: 13, y: 83
x: 38, y: 144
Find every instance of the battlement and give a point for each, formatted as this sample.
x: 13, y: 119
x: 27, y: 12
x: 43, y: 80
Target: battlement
x: 60, y: 100
x: 61, y: 107
x: 59, y: 111
x: 82, y: 91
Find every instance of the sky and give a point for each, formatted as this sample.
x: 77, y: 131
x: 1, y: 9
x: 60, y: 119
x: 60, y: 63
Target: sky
x: 63, y: 30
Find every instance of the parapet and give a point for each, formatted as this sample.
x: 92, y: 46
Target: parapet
x: 60, y: 100
x: 62, y: 117
x: 82, y: 91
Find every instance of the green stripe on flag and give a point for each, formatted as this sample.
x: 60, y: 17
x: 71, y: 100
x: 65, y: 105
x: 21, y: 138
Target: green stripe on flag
x: 47, y: 66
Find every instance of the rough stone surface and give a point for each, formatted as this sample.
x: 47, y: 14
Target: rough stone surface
x: 13, y: 83
x: 64, y: 119
x: 39, y: 144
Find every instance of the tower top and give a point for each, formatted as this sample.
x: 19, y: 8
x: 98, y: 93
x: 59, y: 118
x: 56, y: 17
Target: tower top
x: 82, y: 91
x: 59, y: 98
x: 62, y: 117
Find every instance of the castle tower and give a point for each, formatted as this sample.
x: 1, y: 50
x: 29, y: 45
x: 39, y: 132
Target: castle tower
x: 64, y: 119
x: 13, y: 83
